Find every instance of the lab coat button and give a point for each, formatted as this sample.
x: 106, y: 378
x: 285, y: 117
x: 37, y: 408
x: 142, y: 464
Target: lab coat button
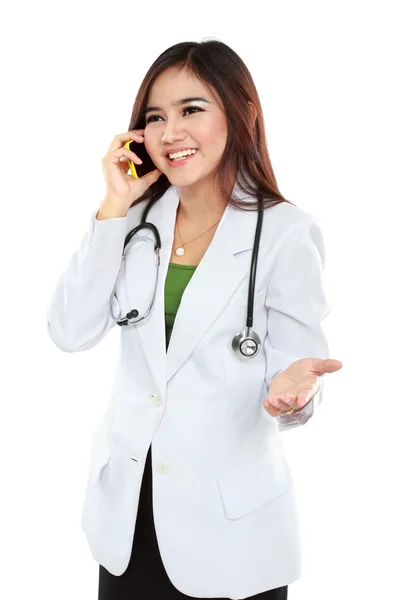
x: 163, y: 467
x: 157, y: 399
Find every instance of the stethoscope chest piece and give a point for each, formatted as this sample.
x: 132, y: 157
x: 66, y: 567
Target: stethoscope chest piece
x: 246, y: 344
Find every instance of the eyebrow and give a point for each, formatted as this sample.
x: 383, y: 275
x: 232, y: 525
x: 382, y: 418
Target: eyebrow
x: 178, y: 103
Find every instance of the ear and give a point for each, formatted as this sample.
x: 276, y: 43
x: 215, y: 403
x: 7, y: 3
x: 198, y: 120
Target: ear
x: 253, y: 113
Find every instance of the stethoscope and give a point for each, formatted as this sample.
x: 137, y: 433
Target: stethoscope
x: 246, y: 343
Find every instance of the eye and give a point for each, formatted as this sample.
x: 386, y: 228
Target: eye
x: 191, y: 108
x: 196, y: 108
x: 150, y: 119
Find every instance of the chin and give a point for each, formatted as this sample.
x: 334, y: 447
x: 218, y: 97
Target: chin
x: 185, y: 179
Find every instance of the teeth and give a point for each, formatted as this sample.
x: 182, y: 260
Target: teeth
x: 180, y: 154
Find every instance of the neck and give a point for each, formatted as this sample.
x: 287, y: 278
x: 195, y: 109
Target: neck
x: 200, y: 205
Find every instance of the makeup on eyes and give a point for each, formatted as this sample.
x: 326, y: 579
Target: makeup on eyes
x: 195, y: 108
x: 177, y: 103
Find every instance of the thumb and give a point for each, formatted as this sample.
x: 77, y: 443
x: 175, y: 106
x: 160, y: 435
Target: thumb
x: 326, y: 365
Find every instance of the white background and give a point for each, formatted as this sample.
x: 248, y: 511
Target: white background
x: 327, y: 76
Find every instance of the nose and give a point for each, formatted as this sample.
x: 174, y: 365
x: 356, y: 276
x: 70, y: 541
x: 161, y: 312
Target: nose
x: 172, y: 133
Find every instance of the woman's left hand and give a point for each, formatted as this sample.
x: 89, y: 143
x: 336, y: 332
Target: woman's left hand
x: 296, y: 385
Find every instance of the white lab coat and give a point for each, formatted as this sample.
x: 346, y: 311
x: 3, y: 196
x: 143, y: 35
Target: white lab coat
x: 224, y: 506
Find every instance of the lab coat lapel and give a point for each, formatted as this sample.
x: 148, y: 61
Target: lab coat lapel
x: 152, y: 331
x: 208, y: 291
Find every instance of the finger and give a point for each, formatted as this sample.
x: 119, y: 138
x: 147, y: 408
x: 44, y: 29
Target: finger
x: 326, y: 365
x: 270, y: 409
x: 281, y: 405
x: 304, y: 398
x: 133, y: 157
x: 117, y: 154
x: 277, y: 404
x: 122, y: 138
x: 284, y: 400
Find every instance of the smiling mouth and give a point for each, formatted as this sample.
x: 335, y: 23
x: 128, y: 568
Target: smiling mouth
x: 177, y: 158
x: 181, y: 161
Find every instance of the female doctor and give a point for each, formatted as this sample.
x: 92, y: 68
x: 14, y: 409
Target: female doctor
x: 189, y: 494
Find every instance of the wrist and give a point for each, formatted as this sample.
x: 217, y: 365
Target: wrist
x: 109, y: 211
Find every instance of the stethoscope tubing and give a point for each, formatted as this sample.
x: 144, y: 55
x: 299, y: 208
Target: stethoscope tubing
x: 246, y: 343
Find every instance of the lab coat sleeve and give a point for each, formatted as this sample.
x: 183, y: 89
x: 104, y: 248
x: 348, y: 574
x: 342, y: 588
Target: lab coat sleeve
x: 296, y: 308
x: 79, y: 313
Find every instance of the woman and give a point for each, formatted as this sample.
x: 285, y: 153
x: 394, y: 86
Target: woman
x: 189, y: 494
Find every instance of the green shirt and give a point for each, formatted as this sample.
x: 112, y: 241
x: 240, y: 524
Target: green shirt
x: 178, y: 276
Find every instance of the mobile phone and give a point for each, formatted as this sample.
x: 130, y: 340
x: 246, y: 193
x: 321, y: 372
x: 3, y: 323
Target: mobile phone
x: 147, y: 165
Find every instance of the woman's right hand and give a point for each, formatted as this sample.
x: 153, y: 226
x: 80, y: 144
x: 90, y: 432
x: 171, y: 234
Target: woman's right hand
x: 121, y: 188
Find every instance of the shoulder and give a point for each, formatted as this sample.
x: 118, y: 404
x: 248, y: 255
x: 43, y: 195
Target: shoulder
x: 285, y: 217
x: 291, y: 232
x: 285, y: 221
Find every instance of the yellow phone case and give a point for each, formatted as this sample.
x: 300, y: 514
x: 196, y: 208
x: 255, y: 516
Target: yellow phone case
x: 131, y: 164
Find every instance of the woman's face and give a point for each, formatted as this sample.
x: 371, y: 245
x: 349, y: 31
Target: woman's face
x: 196, y: 124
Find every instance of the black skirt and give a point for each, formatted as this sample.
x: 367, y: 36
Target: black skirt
x: 145, y: 577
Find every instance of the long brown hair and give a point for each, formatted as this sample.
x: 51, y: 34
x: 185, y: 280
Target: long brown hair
x: 246, y: 154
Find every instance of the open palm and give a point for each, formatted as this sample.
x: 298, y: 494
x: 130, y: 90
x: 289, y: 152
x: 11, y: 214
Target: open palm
x: 296, y: 385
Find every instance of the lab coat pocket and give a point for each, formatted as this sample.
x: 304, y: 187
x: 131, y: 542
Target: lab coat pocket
x: 255, y: 484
